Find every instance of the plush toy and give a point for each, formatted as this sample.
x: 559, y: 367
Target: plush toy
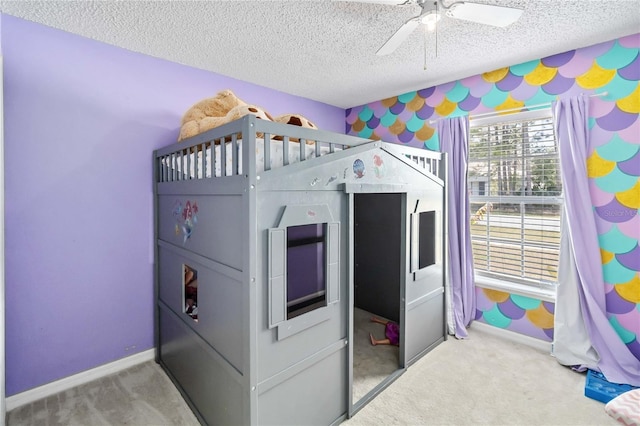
x: 242, y: 110
x: 295, y: 120
x: 225, y: 107
x: 208, y: 113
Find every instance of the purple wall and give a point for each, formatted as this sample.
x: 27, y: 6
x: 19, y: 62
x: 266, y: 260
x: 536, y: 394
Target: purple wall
x: 81, y: 121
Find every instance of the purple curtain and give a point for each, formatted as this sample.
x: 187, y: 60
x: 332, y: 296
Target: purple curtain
x: 616, y: 362
x: 454, y: 141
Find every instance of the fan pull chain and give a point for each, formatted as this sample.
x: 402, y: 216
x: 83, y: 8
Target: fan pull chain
x: 426, y: 41
x: 437, y: 25
x: 425, y: 48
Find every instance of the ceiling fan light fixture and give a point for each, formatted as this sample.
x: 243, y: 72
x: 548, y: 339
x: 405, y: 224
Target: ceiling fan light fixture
x: 487, y: 14
x: 431, y: 20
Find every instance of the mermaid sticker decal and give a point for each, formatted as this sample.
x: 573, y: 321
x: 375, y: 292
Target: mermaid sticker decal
x: 186, y: 217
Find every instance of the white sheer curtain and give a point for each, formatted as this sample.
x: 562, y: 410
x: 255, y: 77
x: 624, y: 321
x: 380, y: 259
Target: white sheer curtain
x: 572, y: 345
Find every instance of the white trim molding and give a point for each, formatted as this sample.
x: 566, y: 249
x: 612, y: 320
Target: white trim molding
x: 513, y: 336
x: 66, y: 383
x: 3, y: 408
x: 546, y: 295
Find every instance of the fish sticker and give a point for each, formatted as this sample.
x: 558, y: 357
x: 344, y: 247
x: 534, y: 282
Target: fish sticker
x: 331, y: 179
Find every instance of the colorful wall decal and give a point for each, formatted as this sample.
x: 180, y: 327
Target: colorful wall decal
x: 332, y: 178
x: 521, y: 314
x: 358, y: 168
x: 186, y: 217
x: 610, y: 70
x: 378, y: 166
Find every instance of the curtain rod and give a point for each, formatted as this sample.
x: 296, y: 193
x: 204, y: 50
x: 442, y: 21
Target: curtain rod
x: 513, y: 110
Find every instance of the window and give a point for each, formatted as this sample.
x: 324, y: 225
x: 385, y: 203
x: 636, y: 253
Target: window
x: 303, y: 269
x: 516, y: 212
x: 306, y: 261
x: 190, y: 292
x: 427, y: 239
x: 481, y: 186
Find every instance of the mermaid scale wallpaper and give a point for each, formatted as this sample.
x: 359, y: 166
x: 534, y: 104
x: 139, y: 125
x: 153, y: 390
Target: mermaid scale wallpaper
x: 610, y: 70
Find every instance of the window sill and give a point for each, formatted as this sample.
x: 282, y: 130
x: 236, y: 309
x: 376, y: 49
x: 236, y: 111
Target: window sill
x: 546, y: 295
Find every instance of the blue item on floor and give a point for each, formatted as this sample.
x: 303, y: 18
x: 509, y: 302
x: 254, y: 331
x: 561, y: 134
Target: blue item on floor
x: 597, y: 387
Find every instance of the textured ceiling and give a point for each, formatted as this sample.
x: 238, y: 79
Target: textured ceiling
x: 325, y: 50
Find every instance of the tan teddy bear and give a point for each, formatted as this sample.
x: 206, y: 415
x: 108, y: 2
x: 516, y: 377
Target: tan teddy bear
x: 242, y: 110
x: 295, y: 120
x: 208, y: 114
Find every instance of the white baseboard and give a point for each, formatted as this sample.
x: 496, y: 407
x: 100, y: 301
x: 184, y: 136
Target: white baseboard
x: 62, y: 385
x: 512, y: 335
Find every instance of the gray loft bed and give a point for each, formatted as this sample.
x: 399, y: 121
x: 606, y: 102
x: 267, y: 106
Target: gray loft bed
x: 265, y: 248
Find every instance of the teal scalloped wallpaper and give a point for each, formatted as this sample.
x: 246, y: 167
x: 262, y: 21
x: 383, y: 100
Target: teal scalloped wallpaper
x: 610, y: 69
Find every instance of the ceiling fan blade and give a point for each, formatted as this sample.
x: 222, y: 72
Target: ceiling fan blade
x: 498, y: 16
x: 398, y: 37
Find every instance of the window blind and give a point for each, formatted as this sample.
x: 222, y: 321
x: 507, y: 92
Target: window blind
x: 515, y: 197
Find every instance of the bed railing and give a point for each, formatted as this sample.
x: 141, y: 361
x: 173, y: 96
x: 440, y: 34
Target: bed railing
x: 224, y: 151
x: 432, y: 162
x: 219, y: 152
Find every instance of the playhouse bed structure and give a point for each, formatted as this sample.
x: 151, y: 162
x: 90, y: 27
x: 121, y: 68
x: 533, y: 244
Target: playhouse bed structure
x: 263, y: 253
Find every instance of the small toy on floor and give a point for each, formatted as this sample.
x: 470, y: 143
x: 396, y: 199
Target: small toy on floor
x: 391, y: 332
x: 599, y: 388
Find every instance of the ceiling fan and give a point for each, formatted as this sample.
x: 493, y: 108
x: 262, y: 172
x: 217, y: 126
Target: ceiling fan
x: 498, y: 16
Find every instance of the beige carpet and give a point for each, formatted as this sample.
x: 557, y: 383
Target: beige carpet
x: 484, y: 380
x: 140, y: 395
x: 371, y: 364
